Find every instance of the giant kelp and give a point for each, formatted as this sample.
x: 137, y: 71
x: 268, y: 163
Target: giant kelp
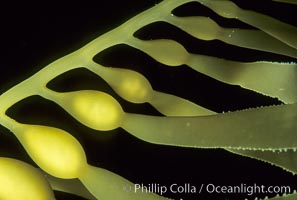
x: 187, y: 124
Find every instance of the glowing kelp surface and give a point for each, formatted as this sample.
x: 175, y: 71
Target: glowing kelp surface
x: 236, y: 130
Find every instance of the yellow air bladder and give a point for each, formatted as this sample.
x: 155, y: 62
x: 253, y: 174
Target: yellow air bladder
x: 60, y: 154
x: 54, y: 150
x: 95, y: 109
x: 20, y: 181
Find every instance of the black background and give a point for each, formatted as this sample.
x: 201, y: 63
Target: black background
x: 33, y: 35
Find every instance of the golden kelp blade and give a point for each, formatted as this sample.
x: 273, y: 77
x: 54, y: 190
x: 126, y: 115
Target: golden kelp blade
x: 267, y: 128
x: 272, y: 79
x: 272, y: 26
x: 286, y: 197
x: 205, y: 28
x: 286, y: 159
x: 287, y: 1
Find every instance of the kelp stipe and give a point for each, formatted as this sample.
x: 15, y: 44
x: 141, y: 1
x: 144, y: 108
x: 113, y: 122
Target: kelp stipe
x: 186, y: 124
